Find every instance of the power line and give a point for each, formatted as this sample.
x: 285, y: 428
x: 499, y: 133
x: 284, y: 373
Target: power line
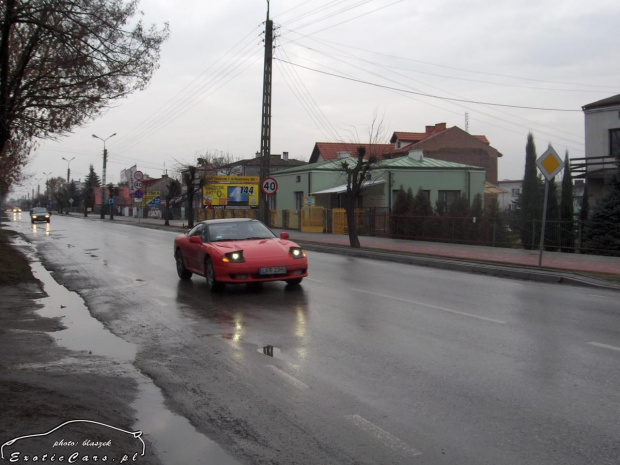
x: 185, y: 98
x: 307, y: 101
x: 390, y: 67
x: 352, y: 19
x: 605, y: 89
x: 343, y: 59
x: 427, y: 95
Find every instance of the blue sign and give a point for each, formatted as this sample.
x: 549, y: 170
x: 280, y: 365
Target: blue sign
x: 155, y: 202
x: 138, y: 194
x: 110, y: 201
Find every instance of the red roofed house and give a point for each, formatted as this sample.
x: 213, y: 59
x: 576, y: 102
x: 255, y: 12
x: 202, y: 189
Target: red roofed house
x: 438, y: 142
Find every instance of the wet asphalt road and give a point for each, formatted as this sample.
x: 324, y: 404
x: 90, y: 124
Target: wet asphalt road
x: 367, y: 362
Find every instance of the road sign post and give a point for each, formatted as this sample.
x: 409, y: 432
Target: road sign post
x: 549, y: 164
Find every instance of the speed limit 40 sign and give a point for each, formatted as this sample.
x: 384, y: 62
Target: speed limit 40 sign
x: 269, y: 186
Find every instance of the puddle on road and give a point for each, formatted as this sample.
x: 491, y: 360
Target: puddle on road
x: 83, y: 332
x: 173, y: 437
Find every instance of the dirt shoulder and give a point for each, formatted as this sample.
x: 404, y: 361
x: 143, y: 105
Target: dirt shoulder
x: 43, y: 385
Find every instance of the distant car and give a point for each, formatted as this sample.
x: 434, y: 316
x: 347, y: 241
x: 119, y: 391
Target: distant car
x: 240, y: 250
x: 39, y: 214
x: 17, y: 210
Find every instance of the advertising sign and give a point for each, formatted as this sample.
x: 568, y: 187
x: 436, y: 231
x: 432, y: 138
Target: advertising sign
x: 230, y: 192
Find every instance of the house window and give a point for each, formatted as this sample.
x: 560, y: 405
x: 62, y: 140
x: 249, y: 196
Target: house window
x: 297, y: 178
x: 448, y: 197
x: 614, y: 142
x: 515, y: 191
x: 299, y: 199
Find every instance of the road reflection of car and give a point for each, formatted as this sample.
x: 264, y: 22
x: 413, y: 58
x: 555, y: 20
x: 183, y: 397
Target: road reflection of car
x: 240, y: 250
x: 39, y: 214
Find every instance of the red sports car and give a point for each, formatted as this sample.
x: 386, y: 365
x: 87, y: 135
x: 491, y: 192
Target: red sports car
x: 240, y: 250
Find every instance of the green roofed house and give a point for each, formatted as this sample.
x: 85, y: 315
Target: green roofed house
x: 326, y: 181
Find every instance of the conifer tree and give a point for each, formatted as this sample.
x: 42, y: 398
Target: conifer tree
x: 530, y: 202
x: 604, y: 226
x: 400, y: 210
x: 567, y: 211
x: 88, y: 193
x: 553, y: 218
x: 584, y: 215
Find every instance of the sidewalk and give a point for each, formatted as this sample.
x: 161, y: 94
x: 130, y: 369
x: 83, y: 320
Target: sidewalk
x: 454, y: 256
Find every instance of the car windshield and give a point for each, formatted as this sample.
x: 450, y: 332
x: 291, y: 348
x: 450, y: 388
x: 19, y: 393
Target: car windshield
x: 39, y: 210
x: 238, y: 231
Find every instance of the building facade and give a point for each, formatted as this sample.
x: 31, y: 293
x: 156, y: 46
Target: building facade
x: 602, y: 133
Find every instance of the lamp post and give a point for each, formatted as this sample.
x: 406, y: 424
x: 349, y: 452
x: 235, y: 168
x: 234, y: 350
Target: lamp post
x: 68, y: 170
x: 105, y: 160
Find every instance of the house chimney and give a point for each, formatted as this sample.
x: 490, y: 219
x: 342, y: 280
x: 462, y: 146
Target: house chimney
x: 257, y: 154
x: 417, y: 155
x: 430, y: 129
x: 440, y: 127
x: 284, y: 155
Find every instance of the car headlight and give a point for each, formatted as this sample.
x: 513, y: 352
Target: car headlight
x: 233, y: 257
x: 297, y: 252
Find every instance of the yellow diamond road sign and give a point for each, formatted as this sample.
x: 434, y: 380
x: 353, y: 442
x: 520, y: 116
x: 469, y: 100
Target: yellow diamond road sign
x: 550, y: 163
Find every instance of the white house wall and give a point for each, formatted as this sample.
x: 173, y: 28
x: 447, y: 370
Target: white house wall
x: 598, y: 122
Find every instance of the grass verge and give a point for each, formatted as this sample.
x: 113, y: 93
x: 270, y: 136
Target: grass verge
x: 14, y: 266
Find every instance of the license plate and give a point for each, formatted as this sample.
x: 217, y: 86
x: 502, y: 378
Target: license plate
x: 272, y: 270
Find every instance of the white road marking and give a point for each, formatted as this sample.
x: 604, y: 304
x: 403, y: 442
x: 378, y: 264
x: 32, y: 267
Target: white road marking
x: 435, y: 307
x: 291, y: 379
x: 387, y: 439
x: 314, y: 280
x: 604, y: 346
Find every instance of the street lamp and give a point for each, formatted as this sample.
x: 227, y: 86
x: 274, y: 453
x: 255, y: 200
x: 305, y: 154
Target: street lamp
x: 105, y: 159
x: 68, y: 170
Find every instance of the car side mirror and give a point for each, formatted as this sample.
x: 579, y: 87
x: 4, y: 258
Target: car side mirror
x: 195, y: 240
x: 284, y: 235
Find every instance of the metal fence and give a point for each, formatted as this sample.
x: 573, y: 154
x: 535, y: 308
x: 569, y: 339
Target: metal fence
x: 502, y: 230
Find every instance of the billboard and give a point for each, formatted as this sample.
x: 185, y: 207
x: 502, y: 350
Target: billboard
x: 230, y: 192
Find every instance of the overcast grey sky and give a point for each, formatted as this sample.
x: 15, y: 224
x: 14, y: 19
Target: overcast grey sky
x: 414, y: 57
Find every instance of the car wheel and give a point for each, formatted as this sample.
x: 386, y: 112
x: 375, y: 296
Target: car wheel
x: 183, y: 272
x: 294, y: 282
x: 212, y: 283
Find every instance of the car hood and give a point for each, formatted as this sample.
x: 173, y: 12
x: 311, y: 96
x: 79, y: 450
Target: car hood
x: 257, y: 247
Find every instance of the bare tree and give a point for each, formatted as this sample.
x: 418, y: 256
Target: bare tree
x: 173, y: 189
x: 62, y: 62
x: 193, y: 183
x: 57, y: 189
x: 357, y: 173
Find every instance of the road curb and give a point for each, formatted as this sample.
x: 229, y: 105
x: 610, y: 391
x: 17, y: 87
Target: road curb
x: 454, y: 264
x: 489, y: 269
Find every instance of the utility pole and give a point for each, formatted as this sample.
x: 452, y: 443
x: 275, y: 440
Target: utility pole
x: 105, y: 161
x: 265, y: 141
